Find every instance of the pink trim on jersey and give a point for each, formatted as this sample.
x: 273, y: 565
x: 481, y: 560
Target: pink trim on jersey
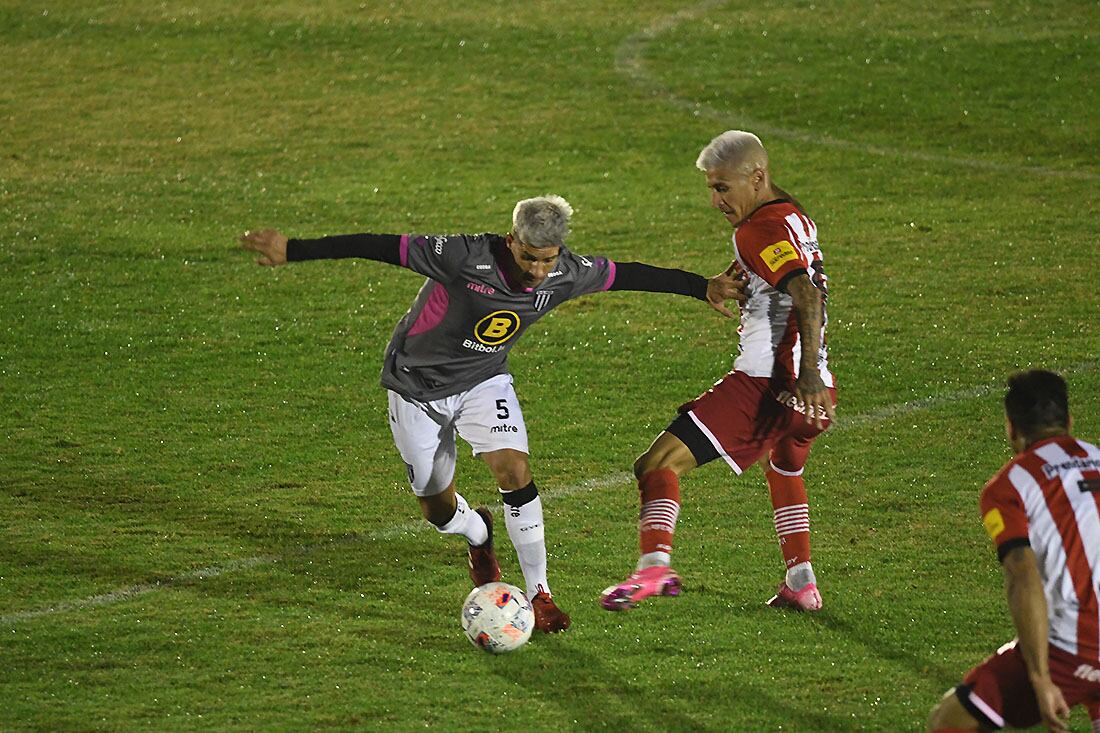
x: 507, y: 280
x: 610, y: 275
x: 433, y: 312
x: 404, y: 251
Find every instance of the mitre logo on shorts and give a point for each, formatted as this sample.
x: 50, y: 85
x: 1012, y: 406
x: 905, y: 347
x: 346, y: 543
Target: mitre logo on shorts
x: 775, y: 255
x: 497, y: 327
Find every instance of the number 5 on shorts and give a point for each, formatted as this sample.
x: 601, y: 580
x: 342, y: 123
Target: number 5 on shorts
x: 502, y: 409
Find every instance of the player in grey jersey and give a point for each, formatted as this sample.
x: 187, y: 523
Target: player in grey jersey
x: 446, y: 366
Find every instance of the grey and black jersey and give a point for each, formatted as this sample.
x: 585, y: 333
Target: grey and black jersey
x: 468, y: 315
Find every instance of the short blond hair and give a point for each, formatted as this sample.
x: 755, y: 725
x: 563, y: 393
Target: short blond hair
x: 733, y: 147
x: 542, y: 221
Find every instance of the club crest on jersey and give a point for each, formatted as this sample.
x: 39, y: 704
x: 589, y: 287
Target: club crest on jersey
x: 778, y: 253
x: 497, y: 327
x: 542, y: 298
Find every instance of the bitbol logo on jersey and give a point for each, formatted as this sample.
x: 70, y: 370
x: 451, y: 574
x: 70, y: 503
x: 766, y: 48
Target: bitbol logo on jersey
x: 497, y: 327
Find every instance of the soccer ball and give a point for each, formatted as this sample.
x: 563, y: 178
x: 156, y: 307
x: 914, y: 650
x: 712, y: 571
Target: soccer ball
x: 497, y: 617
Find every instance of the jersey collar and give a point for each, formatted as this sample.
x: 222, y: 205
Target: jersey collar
x: 501, y: 254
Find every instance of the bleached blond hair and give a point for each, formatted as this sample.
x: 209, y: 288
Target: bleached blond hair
x: 542, y: 221
x: 738, y: 148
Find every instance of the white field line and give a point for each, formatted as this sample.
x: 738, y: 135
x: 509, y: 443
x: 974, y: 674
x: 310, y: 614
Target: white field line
x: 134, y: 591
x: 630, y: 62
x: 889, y: 412
x: 130, y: 592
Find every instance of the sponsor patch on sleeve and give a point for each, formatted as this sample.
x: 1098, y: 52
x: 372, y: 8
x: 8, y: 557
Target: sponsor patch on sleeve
x: 994, y: 523
x: 776, y: 254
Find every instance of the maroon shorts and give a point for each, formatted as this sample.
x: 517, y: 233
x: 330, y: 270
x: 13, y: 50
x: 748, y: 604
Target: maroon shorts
x: 745, y: 417
x: 998, y: 693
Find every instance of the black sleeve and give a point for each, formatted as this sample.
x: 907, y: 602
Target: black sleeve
x: 1009, y: 545
x: 381, y: 247
x: 640, y: 276
x: 781, y: 286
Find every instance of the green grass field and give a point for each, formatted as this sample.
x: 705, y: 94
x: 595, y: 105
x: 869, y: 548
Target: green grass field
x: 203, y: 521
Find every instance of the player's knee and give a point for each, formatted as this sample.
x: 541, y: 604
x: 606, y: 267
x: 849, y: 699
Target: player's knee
x: 935, y: 719
x: 949, y: 714
x: 651, y: 460
x: 510, y: 468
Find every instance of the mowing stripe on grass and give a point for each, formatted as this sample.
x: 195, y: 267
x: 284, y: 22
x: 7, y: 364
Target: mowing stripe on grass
x: 119, y: 595
x: 888, y: 412
x: 629, y: 62
x: 213, y: 571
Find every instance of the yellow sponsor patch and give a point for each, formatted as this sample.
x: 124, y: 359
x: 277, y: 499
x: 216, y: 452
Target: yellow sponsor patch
x: 497, y: 327
x: 778, y: 253
x: 994, y: 523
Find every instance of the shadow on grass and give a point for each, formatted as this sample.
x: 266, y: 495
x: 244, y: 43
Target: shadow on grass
x: 595, y: 695
x: 922, y: 666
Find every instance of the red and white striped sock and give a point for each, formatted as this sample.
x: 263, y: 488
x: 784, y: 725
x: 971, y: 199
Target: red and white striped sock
x: 660, y: 494
x: 792, y: 523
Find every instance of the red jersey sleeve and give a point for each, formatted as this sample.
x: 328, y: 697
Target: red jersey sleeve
x: 770, y: 251
x: 1004, y: 515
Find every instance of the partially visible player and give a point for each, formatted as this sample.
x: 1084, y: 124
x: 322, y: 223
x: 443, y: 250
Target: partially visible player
x: 780, y: 395
x: 1042, y: 511
x: 446, y: 366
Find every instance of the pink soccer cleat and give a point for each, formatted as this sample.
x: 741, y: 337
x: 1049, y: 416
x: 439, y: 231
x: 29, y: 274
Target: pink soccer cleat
x: 657, y: 580
x: 807, y: 599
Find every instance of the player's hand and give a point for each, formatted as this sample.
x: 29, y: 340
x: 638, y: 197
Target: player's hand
x: 270, y: 243
x: 730, y: 285
x: 1052, y: 705
x: 815, y: 397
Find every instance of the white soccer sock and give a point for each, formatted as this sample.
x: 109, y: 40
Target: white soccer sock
x: 528, y: 534
x: 465, y: 522
x: 650, y: 559
x: 801, y: 575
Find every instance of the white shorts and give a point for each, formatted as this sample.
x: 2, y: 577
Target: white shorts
x: 487, y: 417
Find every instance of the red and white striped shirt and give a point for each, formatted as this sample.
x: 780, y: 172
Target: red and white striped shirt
x: 1049, y: 497
x: 776, y: 243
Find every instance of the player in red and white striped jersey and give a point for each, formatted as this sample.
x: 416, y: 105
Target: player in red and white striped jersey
x: 780, y: 395
x: 1042, y: 510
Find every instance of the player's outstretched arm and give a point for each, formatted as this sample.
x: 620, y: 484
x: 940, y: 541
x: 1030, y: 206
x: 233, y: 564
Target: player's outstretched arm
x: 269, y: 243
x: 276, y: 249
x: 726, y: 286
x: 1028, y: 606
x: 809, y: 387
x: 715, y: 291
